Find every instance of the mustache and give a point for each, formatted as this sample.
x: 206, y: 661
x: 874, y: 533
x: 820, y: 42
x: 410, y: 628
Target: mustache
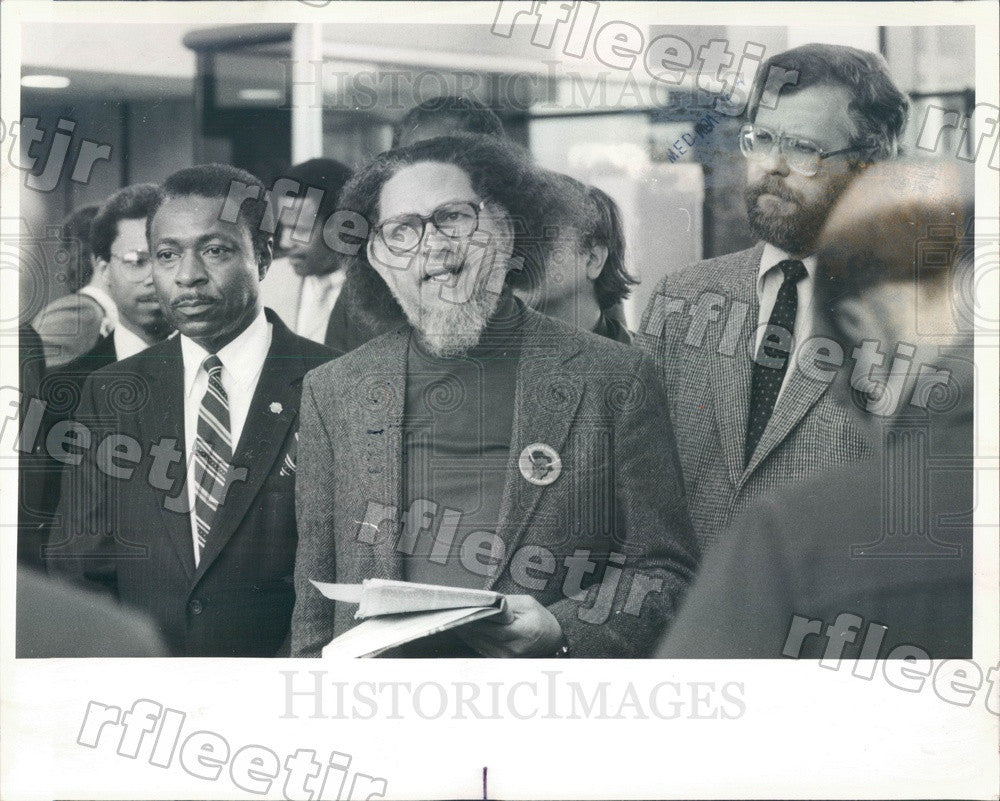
x: 772, y: 186
x: 149, y: 297
x: 191, y: 299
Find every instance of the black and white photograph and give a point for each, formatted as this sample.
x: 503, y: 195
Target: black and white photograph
x: 484, y: 400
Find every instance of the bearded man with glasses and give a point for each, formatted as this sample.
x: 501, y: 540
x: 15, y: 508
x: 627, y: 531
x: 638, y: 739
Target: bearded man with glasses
x: 481, y: 444
x: 735, y: 337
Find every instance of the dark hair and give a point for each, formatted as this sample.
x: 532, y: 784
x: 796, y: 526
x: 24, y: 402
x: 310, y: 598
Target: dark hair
x: 76, y: 240
x: 470, y: 116
x: 223, y: 181
x: 328, y: 175
x: 906, y: 220
x: 498, y: 170
x: 597, y: 217
x: 134, y: 202
x: 614, y: 283
x: 879, y: 110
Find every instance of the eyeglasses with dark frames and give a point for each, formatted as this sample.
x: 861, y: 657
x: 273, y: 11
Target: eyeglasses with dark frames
x: 403, y: 234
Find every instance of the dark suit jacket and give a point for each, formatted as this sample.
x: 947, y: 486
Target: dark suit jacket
x: 125, y: 535
x: 61, y: 390
x: 596, y: 402
x: 888, y: 541
x: 32, y: 464
x: 707, y: 376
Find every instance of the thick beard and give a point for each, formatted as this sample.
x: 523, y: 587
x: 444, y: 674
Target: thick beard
x: 452, y: 329
x: 795, y: 233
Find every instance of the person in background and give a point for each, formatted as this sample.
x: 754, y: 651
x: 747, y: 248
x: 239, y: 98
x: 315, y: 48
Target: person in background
x: 72, y: 324
x: 515, y: 434
x: 585, y: 281
x: 121, y: 260
x: 122, y: 263
x: 863, y: 558
x: 725, y: 331
x: 444, y: 116
x: 200, y: 534
x: 305, y: 279
x: 365, y: 309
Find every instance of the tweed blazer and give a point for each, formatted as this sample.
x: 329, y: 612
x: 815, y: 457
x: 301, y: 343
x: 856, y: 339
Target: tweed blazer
x: 706, y: 368
x: 596, y: 402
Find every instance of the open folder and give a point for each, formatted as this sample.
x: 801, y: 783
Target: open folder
x: 397, y: 612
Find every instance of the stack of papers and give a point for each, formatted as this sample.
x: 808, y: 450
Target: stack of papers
x: 397, y: 612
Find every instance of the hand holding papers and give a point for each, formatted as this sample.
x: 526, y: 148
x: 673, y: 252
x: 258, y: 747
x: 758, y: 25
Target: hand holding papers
x: 397, y: 612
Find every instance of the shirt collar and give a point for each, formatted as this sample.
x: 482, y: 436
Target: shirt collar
x: 770, y: 258
x: 333, y: 280
x: 241, y: 359
x: 127, y: 343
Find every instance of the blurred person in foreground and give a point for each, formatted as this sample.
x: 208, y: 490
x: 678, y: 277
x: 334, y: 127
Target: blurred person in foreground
x: 499, y: 435
x: 584, y: 281
x: 192, y: 520
x: 305, y: 279
x: 729, y: 333
x: 360, y: 314
x: 859, y: 560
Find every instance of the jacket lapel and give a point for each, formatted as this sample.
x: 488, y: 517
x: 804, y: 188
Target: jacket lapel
x: 731, y: 373
x: 375, y: 435
x: 165, y: 422
x: 273, y: 409
x: 798, y: 397
x: 546, y: 402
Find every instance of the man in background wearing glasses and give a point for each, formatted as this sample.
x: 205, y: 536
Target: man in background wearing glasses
x: 734, y: 336
x: 134, y: 321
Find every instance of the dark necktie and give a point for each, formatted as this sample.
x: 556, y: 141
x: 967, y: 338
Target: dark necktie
x: 213, y: 451
x: 771, y: 363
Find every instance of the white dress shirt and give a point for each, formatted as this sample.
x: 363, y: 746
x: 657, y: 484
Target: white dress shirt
x: 769, y: 279
x: 105, y: 301
x: 242, y: 363
x: 319, y: 293
x: 127, y: 343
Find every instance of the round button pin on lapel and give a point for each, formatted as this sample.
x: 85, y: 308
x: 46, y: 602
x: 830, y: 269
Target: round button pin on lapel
x: 540, y: 464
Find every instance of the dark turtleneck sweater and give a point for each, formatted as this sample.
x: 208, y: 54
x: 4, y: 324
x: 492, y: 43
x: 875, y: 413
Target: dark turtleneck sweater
x: 458, y: 420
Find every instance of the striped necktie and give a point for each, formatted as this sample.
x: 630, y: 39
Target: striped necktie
x: 213, y: 451
x: 771, y: 363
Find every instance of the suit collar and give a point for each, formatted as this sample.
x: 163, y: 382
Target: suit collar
x: 547, y: 397
x: 730, y: 372
x: 161, y: 368
x: 731, y: 376
x: 272, y: 412
x: 162, y: 423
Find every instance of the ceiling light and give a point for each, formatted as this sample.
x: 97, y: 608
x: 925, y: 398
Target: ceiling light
x: 44, y: 81
x: 258, y: 95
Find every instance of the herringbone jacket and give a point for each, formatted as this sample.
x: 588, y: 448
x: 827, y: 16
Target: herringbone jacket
x: 705, y: 362
x: 597, y: 403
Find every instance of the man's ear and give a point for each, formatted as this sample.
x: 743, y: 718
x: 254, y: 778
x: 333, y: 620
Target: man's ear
x: 265, y: 257
x: 597, y: 255
x: 100, y: 267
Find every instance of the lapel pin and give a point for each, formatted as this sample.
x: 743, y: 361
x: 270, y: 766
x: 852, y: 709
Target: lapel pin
x: 540, y: 464
x: 276, y: 408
